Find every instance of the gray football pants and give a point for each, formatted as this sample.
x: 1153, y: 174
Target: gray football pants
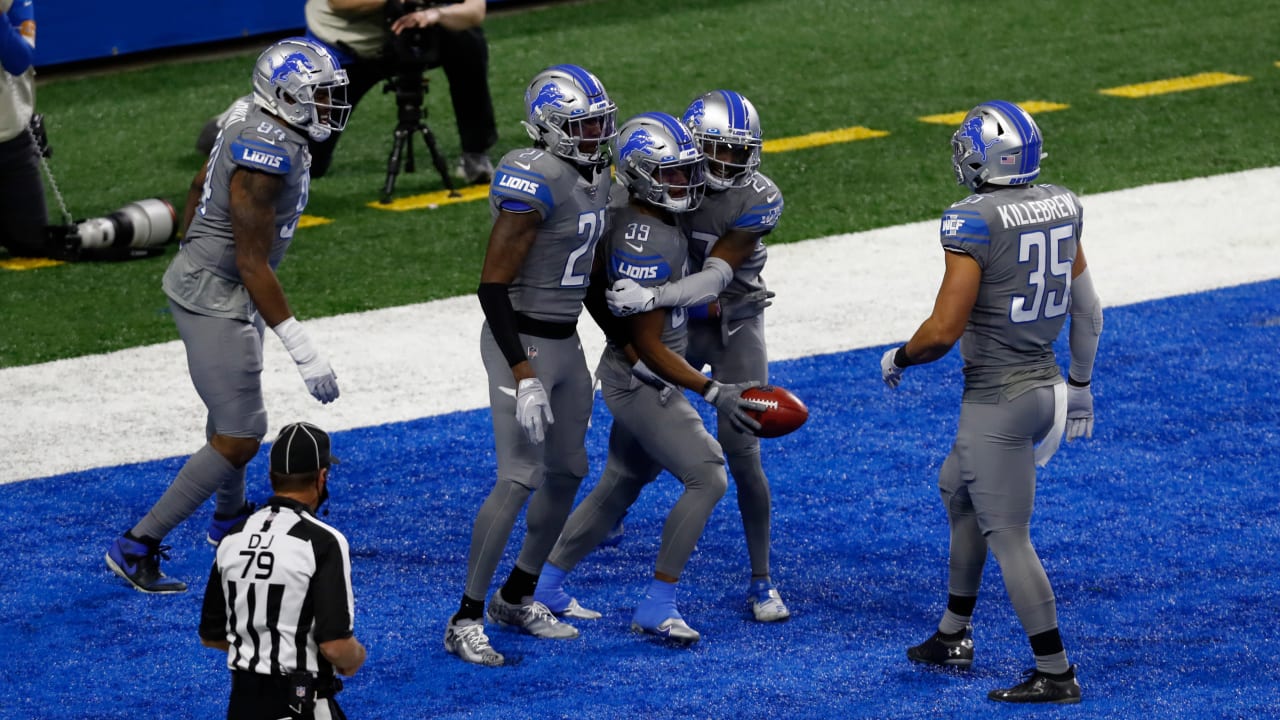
x: 224, y: 358
x: 988, y: 486
x: 648, y: 436
x: 553, y: 469
x: 743, y: 357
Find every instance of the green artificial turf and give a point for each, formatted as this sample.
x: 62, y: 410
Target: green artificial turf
x: 808, y: 65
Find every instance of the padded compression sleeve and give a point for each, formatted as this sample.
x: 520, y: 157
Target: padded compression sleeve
x: 496, y: 304
x: 1086, y: 326
x: 699, y: 288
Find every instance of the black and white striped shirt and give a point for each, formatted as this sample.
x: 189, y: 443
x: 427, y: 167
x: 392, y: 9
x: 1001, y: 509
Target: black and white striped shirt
x: 280, y: 586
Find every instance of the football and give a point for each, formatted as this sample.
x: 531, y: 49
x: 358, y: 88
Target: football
x: 784, y: 412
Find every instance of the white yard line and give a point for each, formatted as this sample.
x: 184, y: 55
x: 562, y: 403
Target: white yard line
x: 835, y: 293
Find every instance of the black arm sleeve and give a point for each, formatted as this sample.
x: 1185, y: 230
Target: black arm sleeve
x: 496, y: 304
x: 615, y: 328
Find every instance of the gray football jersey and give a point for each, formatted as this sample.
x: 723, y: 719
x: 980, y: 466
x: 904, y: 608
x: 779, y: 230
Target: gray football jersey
x: 203, y: 277
x: 1025, y: 240
x: 651, y: 252
x: 755, y: 207
x: 553, y: 280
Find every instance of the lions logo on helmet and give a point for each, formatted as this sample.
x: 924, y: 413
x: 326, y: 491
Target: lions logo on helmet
x: 659, y: 162
x: 1002, y: 122
x: 300, y: 81
x: 570, y: 115
x: 727, y: 127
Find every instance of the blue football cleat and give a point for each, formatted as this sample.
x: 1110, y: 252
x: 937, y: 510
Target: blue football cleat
x: 139, y: 563
x: 664, y: 620
x: 219, y: 526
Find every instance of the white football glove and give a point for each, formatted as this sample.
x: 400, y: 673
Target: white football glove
x: 1079, y: 412
x: 628, y: 297
x: 533, y: 409
x: 891, y: 373
x: 321, y: 380
x: 728, y: 401
x: 641, y: 372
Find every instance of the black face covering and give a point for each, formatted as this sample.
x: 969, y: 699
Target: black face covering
x: 324, y: 497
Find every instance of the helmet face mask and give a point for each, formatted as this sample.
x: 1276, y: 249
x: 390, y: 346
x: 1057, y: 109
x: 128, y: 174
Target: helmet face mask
x: 998, y: 143
x: 569, y: 114
x: 727, y: 127
x: 659, y: 162
x: 300, y: 81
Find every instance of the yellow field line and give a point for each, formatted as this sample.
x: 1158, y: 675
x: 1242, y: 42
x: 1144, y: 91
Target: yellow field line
x: 19, y: 263
x: 1172, y: 85
x: 433, y: 200
x: 1032, y: 106
x: 307, y: 221
x: 831, y: 137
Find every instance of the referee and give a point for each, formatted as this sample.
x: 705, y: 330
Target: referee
x: 279, y: 599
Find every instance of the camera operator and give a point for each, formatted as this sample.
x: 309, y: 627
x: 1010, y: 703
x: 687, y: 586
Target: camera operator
x: 370, y: 53
x: 23, y: 213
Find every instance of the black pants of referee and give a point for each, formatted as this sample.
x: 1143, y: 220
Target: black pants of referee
x: 273, y: 697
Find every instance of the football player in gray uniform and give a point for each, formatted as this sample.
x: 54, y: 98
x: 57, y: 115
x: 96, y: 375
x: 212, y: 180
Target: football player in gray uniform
x: 548, y: 206
x: 240, y: 218
x: 726, y: 301
x: 655, y: 427
x: 1015, y: 269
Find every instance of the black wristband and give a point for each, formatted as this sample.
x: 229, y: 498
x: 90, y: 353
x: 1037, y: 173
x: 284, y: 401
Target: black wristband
x: 1076, y: 383
x: 900, y: 358
x: 707, y: 388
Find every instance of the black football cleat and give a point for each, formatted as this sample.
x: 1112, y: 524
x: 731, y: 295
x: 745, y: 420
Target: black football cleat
x: 1041, y: 688
x: 942, y: 652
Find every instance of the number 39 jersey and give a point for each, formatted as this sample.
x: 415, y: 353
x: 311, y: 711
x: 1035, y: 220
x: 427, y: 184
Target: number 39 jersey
x: 1025, y: 241
x: 553, y: 279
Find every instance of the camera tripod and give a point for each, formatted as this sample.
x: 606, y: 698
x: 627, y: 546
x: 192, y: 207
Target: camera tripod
x: 410, y: 87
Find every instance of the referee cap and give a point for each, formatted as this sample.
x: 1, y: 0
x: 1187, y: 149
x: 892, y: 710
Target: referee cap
x: 300, y: 448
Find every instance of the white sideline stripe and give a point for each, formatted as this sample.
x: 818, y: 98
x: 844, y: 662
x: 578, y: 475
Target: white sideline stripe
x: 834, y: 294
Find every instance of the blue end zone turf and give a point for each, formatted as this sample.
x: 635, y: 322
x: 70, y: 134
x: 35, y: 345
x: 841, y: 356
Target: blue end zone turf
x: 1158, y: 535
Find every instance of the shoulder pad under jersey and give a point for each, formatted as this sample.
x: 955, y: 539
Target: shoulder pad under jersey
x: 528, y: 178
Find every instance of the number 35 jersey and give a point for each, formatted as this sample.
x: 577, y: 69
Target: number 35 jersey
x: 1025, y: 240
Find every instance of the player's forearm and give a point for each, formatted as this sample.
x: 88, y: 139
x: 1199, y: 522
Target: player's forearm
x: 1086, y: 326
x: 699, y: 288
x: 669, y: 365
x: 266, y: 292
x: 930, y: 342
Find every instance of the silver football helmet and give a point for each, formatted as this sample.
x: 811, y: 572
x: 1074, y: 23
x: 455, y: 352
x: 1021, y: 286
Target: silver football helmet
x: 659, y: 162
x: 998, y: 143
x: 727, y: 127
x: 570, y: 114
x: 301, y: 82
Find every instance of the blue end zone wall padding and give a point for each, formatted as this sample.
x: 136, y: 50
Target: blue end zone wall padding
x: 76, y: 30
x: 1158, y: 534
